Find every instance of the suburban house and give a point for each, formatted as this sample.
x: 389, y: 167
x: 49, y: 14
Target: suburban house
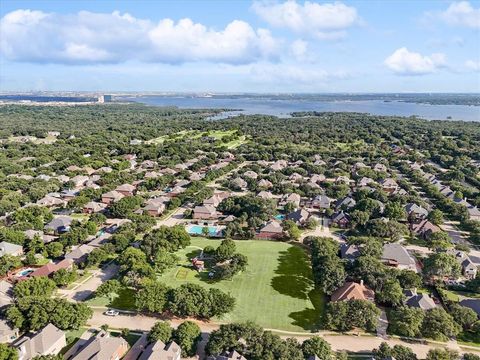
x: 349, y: 251
x: 424, y: 229
x: 205, y: 212
x: 51, y: 201
x: 101, y: 347
x: 396, y: 255
x: 80, y: 254
x: 292, y: 198
x: 93, y: 207
x: 415, y: 212
x: 365, y: 181
x: 112, y: 196
x: 154, y: 208
x: 126, y: 189
x: 264, y: 184
x: 317, y: 178
x: 50, y: 268
x: 389, y: 185
x: 216, y: 199
x: 469, y: 268
x: 320, y: 202
x: 380, y: 167
x: 159, y: 351
x: 353, y: 291
x: 265, y: 195
x: 250, y: 174
x: 48, y: 341
x: 7, y: 334
x: 345, y: 203
x: 30, y: 234
x: 68, y: 195
x: 341, y: 219
x: 422, y: 301
x: 7, y: 248
x: 271, y: 230
x: 279, y: 165
x: 6, y: 293
x: 299, y: 216
x: 79, y: 180
x: 59, y: 225
x: 239, y: 183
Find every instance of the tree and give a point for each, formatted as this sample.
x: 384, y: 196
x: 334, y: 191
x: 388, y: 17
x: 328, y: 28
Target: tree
x: 164, y: 260
x: 316, y: 346
x: 439, y: 325
x: 54, y: 249
x: 436, y: 216
x: 439, y: 241
x: 328, y: 270
x: 292, y: 230
x: 38, y: 286
x: 225, y: 250
x: 8, y: 353
x: 398, y: 352
x: 160, y: 331
x: 63, y: 277
x: 152, y: 297
x: 390, y: 293
x: 108, y: 288
x: 347, y: 315
x: 463, y: 316
x: 187, y: 335
x: 441, y: 265
x: 407, y: 321
x: 395, y: 211
x: 442, y: 354
x: 9, y: 262
x: 409, y: 279
x: 470, y: 356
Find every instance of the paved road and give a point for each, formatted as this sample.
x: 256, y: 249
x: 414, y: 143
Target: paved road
x: 83, y: 290
x: 337, y: 341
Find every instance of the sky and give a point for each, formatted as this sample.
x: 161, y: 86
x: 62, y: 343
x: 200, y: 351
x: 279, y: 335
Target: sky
x: 240, y: 46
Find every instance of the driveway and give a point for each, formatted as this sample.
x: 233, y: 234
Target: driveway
x: 83, y: 290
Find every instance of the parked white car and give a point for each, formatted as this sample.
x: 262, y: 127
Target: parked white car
x: 111, y: 312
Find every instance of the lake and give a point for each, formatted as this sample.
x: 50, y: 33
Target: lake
x: 283, y: 107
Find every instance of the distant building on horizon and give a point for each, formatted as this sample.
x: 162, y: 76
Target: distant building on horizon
x: 104, y: 98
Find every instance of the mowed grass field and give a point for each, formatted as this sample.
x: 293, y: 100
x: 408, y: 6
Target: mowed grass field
x: 276, y: 291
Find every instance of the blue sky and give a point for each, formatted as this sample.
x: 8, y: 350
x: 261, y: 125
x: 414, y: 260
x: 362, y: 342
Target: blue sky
x: 240, y: 46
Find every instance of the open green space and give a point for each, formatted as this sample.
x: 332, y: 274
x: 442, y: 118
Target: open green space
x: 276, y: 291
x: 123, y: 300
x: 195, y: 134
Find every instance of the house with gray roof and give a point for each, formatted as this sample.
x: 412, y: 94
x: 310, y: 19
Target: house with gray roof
x: 299, y: 216
x: 230, y: 355
x: 48, y: 341
x: 345, y: 203
x: 397, y: 256
x: 7, y: 248
x: 415, y: 211
x: 349, y: 251
x: 422, y: 301
x: 59, y: 224
x: 102, y: 347
x: 159, y: 351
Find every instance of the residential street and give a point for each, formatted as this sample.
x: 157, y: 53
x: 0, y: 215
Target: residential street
x: 337, y: 341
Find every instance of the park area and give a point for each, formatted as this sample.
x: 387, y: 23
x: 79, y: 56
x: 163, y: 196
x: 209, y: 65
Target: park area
x: 276, y: 291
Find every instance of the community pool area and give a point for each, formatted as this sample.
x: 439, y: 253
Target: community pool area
x: 214, y: 231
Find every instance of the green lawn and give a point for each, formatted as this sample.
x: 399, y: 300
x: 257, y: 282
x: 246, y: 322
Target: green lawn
x: 276, y: 291
x: 124, y: 300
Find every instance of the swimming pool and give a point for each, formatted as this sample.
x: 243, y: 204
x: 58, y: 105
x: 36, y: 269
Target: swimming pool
x: 25, y: 272
x: 280, y: 217
x: 198, y: 230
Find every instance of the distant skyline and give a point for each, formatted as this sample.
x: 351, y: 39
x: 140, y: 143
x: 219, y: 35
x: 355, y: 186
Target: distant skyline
x: 240, y: 46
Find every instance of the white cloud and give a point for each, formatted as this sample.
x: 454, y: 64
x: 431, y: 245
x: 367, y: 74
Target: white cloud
x: 473, y: 65
x: 461, y: 14
x: 86, y: 37
x: 405, y: 62
x: 299, y: 49
x: 293, y: 74
x: 325, y: 21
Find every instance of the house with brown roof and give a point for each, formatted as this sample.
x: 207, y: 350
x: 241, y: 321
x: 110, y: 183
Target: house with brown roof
x: 93, y: 207
x: 102, y: 347
x: 126, y: 189
x: 7, y: 248
x: 51, y: 268
x: 424, y: 229
x: 159, y: 351
x: 48, y: 341
x: 271, y: 230
x: 353, y: 291
x: 111, y: 197
x: 216, y: 199
x: 389, y: 185
x: 264, y: 184
x: 79, y: 254
x: 228, y: 355
x: 51, y: 201
x: 291, y: 198
x: 205, y: 212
